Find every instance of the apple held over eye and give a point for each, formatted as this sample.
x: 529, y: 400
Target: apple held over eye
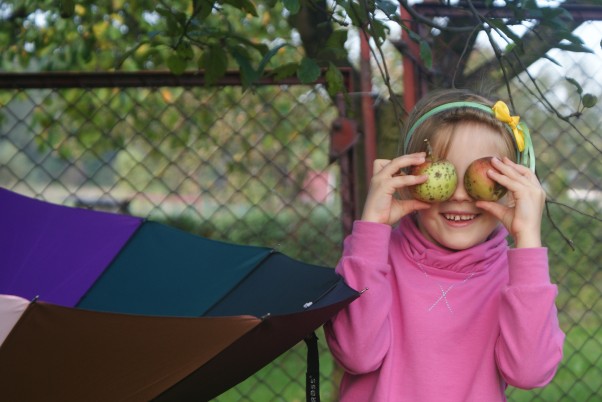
x: 441, y: 183
x: 478, y: 185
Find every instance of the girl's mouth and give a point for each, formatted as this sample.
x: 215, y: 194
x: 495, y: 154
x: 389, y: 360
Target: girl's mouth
x: 459, y: 217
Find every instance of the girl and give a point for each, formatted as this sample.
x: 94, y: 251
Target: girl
x: 450, y: 313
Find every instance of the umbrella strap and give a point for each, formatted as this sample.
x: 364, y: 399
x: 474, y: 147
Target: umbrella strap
x: 312, y: 377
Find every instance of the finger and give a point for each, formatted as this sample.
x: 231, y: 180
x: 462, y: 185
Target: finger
x: 512, y: 169
x: 494, y: 208
x: 509, y: 177
x: 408, y: 180
x: 400, y: 163
x: 515, y: 184
x: 524, y: 171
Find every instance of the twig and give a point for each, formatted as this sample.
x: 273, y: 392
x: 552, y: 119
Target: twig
x: 566, y: 239
x: 574, y: 210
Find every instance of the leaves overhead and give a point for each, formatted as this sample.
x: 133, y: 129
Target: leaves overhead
x: 255, y: 37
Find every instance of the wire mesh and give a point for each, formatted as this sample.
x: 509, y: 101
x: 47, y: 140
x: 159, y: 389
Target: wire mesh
x: 249, y: 167
x: 252, y: 167
x: 568, y: 143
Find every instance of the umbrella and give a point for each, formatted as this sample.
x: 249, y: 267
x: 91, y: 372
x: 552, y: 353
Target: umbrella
x: 101, y: 306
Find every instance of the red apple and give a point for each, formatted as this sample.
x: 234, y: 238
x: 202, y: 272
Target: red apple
x: 478, y: 185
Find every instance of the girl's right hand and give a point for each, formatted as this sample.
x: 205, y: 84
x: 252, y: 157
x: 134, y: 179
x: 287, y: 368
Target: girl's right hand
x: 388, y: 178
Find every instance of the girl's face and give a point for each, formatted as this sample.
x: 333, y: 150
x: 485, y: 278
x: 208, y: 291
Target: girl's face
x: 457, y: 223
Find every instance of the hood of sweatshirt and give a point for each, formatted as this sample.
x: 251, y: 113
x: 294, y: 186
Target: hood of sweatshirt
x: 419, y: 249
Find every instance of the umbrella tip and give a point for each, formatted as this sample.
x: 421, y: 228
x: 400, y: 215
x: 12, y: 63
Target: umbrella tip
x: 35, y: 299
x: 265, y: 317
x: 308, y: 304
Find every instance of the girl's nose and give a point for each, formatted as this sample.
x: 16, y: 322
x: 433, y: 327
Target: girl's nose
x: 460, y: 194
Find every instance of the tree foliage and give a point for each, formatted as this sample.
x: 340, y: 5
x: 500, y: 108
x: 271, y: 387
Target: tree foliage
x: 280, y: 37
x: 292, y: 38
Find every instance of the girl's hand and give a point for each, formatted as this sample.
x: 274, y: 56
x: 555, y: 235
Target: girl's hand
x: 523, y: 218
x: 388, y: 178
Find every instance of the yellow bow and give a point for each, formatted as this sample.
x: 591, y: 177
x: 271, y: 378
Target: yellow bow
x: 502, y: 113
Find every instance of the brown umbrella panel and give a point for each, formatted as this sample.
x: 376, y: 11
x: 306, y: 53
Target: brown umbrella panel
x: 56, y: 353
x: 64, y: 354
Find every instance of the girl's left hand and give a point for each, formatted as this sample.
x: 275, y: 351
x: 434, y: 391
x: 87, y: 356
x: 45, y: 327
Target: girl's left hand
x: 522, y: 218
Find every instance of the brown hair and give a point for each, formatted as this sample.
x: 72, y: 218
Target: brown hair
x: 439, y: 128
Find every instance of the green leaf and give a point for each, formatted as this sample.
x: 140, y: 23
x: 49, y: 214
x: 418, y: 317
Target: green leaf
x: 545, y: 56
x: 174, y: 29
x: 215, y: 63
x: 334, y: 49
x: 67, y: 8
x: 285, y: 70
x: 268, y: 56
x: 184, y: 50
x: 510, y: 47
x: 379, y: 31
x: 425, y: 54
x: 355, y: 12
x: 575, y: 83
x: 248, y: 74
x: 387, y: 7
x: 176, y: 64
x: 572, y: 47
x: 500, y: 25
x: 246, y: 42
x: 335, y: 83
x: 244, y: 5
x: 203, y: 9
x: 293, y: 6
x: 589, y: 100
x: 337, y: 38
x: 308, y: 71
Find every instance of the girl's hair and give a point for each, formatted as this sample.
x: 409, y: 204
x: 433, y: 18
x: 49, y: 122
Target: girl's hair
x: 438, y: 128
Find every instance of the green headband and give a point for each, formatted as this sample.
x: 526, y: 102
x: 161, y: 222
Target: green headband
x: 518, y: 130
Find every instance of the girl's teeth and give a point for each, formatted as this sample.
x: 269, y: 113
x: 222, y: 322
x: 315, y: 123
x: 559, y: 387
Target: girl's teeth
x: 458, y: 218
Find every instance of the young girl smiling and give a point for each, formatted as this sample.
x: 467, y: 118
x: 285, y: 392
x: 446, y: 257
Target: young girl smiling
x: 450, y: 312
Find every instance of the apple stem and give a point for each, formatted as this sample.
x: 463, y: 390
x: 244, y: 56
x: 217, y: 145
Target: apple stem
x: 429, y: 149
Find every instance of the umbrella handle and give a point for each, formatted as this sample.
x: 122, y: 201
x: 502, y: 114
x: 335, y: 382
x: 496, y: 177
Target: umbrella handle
x: 312, y: 376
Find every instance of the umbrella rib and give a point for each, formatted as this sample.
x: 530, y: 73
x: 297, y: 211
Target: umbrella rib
x: 317, y: 299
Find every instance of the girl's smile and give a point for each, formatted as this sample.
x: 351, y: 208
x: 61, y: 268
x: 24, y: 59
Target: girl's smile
x: 459, y: 218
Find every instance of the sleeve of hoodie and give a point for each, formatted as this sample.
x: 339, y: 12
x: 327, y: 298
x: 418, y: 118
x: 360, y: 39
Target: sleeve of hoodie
x: 359, y: 335
x: 529, y: 348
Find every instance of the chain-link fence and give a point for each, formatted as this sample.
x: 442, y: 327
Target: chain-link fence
x: 568, y: 153
x: 249, y: 167
x: 253, y: 167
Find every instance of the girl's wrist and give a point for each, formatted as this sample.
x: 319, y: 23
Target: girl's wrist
x: 527, y: 240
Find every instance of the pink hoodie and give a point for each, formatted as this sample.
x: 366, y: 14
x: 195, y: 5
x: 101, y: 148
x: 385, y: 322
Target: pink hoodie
x: 436, y: 325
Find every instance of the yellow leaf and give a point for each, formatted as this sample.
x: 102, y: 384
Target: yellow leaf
x: 100, y: 28
x: 266, y: 18
x: 166, y: 94
x: 142, y: 50
x: 80, y: 10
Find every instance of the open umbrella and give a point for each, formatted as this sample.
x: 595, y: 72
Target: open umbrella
x: 101, y: 306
